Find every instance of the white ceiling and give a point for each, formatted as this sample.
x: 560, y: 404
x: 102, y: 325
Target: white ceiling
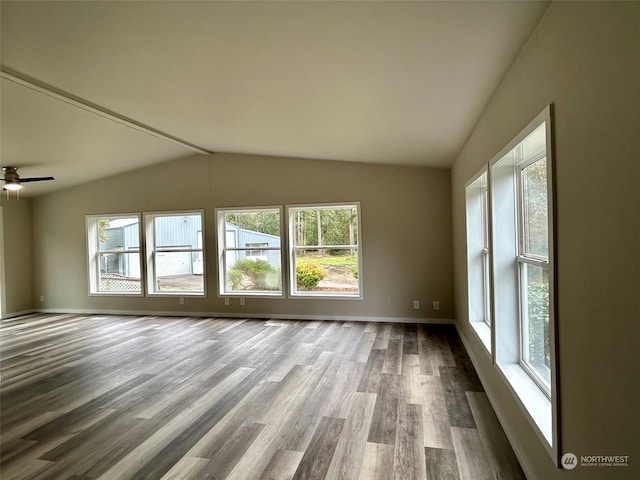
x: 379, y: 82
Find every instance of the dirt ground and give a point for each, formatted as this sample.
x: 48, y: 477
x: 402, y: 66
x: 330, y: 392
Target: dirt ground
x: 339, y: 278
x: 187, y: 283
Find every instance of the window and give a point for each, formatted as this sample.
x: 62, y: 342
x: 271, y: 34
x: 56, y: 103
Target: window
x: 533, y: 257
x: 324, y: 250
x: 509, y: 219
x: 249, y: 251
x: 521, y: 179
x: 175, y: 255
x: 256, y: 251
x: 479, y: 294
x: 113, y: 245
x: 523, y: 271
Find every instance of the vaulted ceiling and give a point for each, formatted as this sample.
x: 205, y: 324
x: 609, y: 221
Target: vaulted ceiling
x: 89, y: 88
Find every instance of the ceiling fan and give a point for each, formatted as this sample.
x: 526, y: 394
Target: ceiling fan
x: 13, y: 182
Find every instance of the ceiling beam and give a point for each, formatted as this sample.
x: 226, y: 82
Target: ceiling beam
x: 70, y: 99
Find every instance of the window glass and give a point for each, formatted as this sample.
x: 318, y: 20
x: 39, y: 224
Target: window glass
x: 478, y: 278
x: 533, y: 256
x: 536, y: 345
x: 114, y: 254
x: 535, y: 209
x: 484, y: 212
x: 250, y: 251
x: 176, y: 255
x: 325, y: 250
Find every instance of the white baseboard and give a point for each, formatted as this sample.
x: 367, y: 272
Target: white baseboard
x: 18, y: 314
x: 522, y: 458
x: 341, y: 318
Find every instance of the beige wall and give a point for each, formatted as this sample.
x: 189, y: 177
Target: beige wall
x: 405, y: 216
x: 585, y: 58
x: 18, y: 265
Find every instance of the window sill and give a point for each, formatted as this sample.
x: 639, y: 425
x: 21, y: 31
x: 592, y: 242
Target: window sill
x: 325, y: 296
x: 177, y: 294
x: 251, y: 294
x: 116, y: 294
x: 535, y: 403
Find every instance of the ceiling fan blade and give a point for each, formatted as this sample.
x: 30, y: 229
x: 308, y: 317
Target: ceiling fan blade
x: 35, y: 179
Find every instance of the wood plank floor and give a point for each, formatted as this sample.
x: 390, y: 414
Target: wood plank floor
x: 113, y: 397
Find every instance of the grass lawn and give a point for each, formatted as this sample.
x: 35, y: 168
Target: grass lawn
x: 335, y: 260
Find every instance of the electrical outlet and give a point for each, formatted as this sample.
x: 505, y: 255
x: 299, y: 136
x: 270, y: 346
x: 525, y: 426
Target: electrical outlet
x: 181, y: 301
x: 226, y: 301
x: 436, y: 305
x: 242, y: 301
x: 41, y: 298
x: 416, y: 304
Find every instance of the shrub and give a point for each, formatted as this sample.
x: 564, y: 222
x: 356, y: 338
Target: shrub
x: 309, y: 274
x: 262, y: 275
x: 235, y: 278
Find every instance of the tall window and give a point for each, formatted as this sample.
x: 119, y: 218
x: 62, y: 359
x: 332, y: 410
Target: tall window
x: 533, y: 256
x: 522, y: 268
x: 324, y: 250
x: 479, y: 288
x: 113, y: 246
x: 249, y: 251
x: 175, y: 254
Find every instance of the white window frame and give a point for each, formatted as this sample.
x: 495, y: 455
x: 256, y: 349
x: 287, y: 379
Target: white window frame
x: 539, y: 402
x: 293, y: 290
x: 94, y: 254
x: 479, y: 256
x: 152, y: 251
x: 526, y: 259
x: 223, y: 250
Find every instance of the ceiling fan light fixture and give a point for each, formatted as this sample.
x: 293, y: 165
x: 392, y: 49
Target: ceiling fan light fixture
x: 13, y: 182
x: 12, y: 186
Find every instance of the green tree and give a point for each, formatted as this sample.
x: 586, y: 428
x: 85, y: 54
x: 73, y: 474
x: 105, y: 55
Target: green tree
x: 535, y: 222
x: 538, y: 322
x: 536, y: 209
x: 261, y: 221
x: 326, y: 227
x: 103, y: 224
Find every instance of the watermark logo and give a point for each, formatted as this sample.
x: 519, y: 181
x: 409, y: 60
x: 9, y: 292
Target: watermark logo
x: 569, y: 461
x: 604, y: 460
